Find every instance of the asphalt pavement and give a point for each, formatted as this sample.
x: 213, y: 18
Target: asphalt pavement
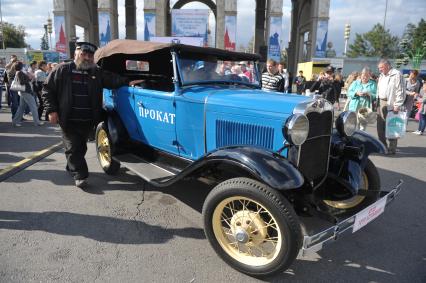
x: 122, y: 230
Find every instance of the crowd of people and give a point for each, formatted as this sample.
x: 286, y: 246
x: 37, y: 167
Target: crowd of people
x: 371, y: 97
x: 28, y: 101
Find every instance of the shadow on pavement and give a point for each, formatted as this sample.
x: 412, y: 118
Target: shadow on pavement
x: 191, y: 192
x: 354, y: 256
x: 21, y: 144
x: 409, y: 151
x: 99, y: 228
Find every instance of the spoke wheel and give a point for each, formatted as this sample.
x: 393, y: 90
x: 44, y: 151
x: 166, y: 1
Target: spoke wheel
x: 247, y: 231
x: 370, y: 181
x: 104, y: 149
x: 252, y: 227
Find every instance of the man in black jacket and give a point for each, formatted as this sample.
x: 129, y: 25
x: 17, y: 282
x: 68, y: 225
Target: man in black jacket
x: 326, y: 86
x: 72, y: 94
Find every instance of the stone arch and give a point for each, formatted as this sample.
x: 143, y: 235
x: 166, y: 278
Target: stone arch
x: 209, y: 3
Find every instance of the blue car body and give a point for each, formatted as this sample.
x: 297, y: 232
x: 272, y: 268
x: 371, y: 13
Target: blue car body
x: 195, y: 120
x: 196, y: 112
x: 197, y: 115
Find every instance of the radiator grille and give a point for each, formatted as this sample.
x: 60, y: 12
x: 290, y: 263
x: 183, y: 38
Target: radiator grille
x: 314, y: 153
x: 235, y: 133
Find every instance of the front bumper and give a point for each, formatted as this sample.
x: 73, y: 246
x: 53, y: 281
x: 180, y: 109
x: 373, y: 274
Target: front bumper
x: 316, y: 242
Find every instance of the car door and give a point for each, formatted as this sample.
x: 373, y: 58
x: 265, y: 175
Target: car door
x: 156, y: 116
x: 122, y: 100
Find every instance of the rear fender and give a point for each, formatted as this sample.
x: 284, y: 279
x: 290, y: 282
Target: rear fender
x: 116, y: 129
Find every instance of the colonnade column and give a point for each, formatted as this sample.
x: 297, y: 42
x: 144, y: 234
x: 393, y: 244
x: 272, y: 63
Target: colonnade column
x: 131, y: 29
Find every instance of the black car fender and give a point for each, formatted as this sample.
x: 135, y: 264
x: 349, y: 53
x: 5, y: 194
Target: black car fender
x: 370, y: 144
x: 348, y: 159
x: 116, y: 128
x: 356, y: 147
x: 266, y: 166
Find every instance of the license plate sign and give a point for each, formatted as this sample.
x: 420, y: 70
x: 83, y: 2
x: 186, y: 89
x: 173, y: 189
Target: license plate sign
x: 368, y: 214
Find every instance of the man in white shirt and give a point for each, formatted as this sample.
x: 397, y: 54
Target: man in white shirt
x: 391, y: 96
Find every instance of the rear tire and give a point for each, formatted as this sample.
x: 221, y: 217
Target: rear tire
x: 105, y: 150
x: 251, y: 227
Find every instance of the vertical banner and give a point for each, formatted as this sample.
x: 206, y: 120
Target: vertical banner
x: 104, y: 28
x: 190, y: 23
x: 230, y: 32
x: 60, y: 37
x: 149, y: 26
x: 275, y: 31
x: 321, y: 43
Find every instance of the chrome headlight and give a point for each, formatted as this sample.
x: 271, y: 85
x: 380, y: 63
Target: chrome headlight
x: 346, y: 123
x: 296, y: 129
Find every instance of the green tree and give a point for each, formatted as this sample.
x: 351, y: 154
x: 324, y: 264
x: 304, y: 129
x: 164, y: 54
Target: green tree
x: 378, y: 42
x: 44, y: 45
x: 415, y: 35
x: 14, y: 37
x: 413, y: 44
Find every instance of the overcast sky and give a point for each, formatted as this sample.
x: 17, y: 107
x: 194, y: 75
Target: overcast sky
x: 361, y: 14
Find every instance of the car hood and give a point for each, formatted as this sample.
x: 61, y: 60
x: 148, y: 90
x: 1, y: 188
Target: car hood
x: 253, y: 99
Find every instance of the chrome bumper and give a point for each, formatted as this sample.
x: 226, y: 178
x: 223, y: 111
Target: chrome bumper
x: 316, y: 242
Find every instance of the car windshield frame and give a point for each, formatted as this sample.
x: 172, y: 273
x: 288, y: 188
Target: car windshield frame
x: 212, y: 69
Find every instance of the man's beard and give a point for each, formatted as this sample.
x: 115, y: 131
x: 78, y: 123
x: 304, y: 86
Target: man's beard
x: 84, y: 65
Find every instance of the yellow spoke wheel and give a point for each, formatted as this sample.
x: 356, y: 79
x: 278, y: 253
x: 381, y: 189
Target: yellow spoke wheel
x: 370, y: 182
x: 353, y: 201
x: 247, y: 231
x: 104, y: 150
x: 251, y: 226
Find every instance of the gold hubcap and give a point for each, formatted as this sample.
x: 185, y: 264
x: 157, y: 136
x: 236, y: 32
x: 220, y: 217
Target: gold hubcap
x: 353, y: 201
x: 247, y: 231
x: 104, y: 150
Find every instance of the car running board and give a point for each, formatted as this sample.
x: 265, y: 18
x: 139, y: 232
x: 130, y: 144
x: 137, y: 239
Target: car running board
x: 150, y: 172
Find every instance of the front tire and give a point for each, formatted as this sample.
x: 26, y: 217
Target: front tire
x: 104, y: 150
x: 370, y: 182
x: 251, y: 227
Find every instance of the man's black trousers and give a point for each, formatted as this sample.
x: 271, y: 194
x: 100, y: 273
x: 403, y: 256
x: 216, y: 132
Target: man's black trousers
x: 75, y: 142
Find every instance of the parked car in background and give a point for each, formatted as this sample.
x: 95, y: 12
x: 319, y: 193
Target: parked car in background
x: 273, y: 159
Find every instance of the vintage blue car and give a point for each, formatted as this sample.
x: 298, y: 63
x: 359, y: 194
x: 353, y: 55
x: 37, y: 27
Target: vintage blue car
x: 274, y: 159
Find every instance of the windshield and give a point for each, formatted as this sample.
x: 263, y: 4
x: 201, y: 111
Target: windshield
x: 212, y: 69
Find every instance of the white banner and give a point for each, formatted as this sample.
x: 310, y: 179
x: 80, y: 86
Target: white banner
x: 274, y: 44
x: 60, y: 37
x: 321, y: 43
x: 230, y: 32
x: 149, y: 30
x: 190, y: 23
x: 104, y: 28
